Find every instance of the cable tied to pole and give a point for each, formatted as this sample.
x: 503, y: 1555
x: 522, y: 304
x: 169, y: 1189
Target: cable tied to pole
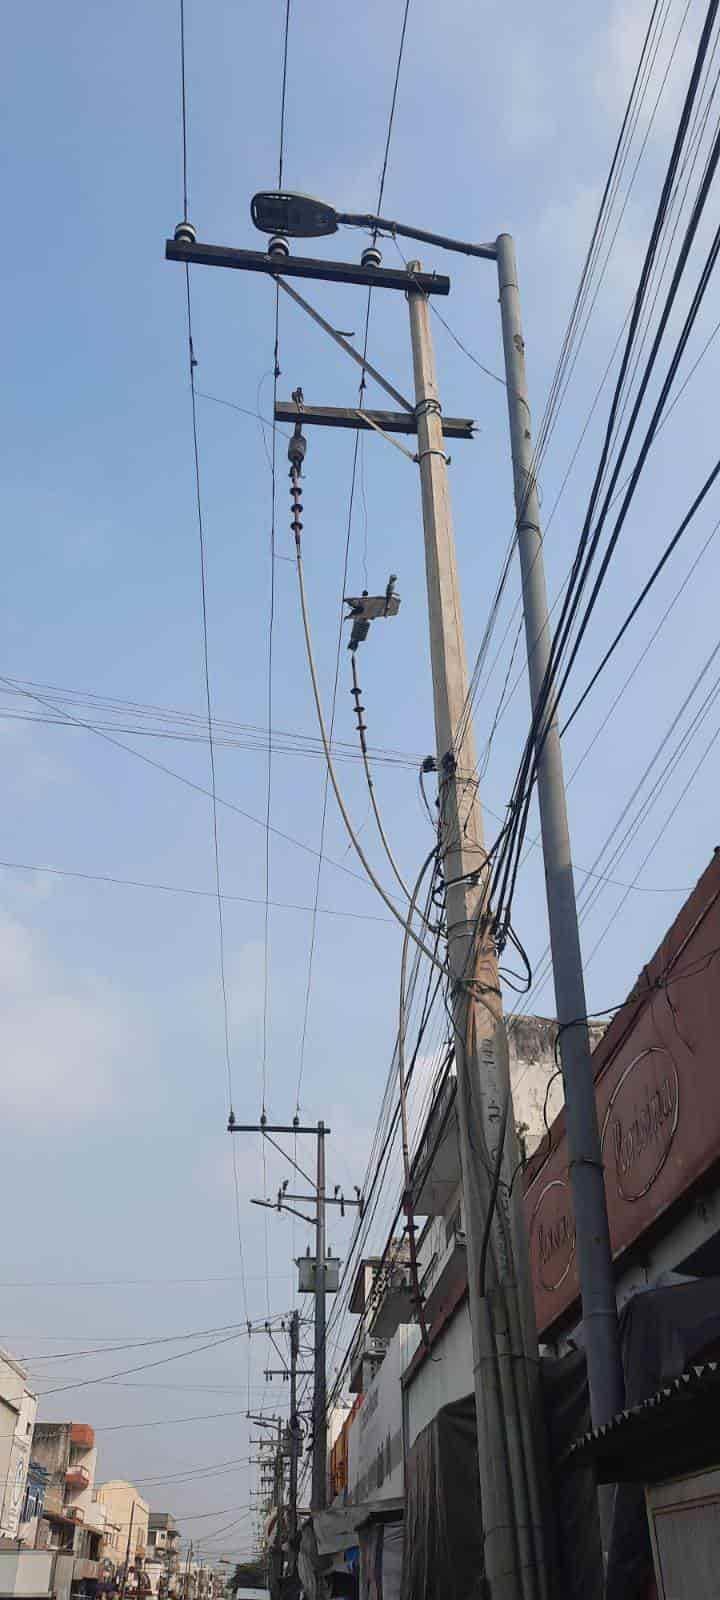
x: 297, y: 448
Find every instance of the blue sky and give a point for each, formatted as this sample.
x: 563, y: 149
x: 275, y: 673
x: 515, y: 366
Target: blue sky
x: 115, y: 1161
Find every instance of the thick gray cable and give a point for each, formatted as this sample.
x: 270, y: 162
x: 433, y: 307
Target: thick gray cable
x: 389, y: 902
x: 401, y: 1014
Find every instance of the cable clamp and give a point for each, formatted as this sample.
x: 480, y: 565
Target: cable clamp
x: 423, y: 453
x: 429, y: 407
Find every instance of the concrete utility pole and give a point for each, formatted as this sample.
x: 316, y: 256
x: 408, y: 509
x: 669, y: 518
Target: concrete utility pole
x: 319, y: 1286
x: 504, y: 1346
x: 126, y: 1564
x: 594, y: 1252
x: 319, y: 1461
x: 294, y: 1436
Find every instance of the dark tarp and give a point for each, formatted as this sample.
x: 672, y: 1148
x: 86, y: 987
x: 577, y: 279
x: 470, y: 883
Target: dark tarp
x: 663, y: 1331
x: 443, y: 1524
x: 578, y: 1549
x: 443, y: 1530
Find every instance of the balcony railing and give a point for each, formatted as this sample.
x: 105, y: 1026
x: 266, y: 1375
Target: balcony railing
x: 77, y: 1477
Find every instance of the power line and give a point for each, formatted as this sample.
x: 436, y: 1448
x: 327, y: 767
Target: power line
x: 506, y: 866
x: 565, y: 366
x: 245, y: 411
x: 183, y: 111
x: 110, y: 1347
x: 168, y: 1422
x: 591, y: 893
x: 657, y: 569
x: 346, y: 558
x: 205, y: 656
x: 208, y: 697
x: 688, y: 785
x: 178, y: 888
x: 393, y: 103
x: 187, y: 727
x: 271, y: 629
x: 113, y: 1283
x: 180, y: 777
x: 84, y: 1383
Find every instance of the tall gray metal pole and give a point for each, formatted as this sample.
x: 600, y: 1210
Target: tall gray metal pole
x: 504, y: 1345
x: 594, y: 1254
x: 319, y: 1464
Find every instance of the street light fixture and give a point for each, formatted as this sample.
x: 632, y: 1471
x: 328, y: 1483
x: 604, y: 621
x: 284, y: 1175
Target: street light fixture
x: 301, y: 216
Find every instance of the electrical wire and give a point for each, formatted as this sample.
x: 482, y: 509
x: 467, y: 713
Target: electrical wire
x: 506, y: 872
x: 572, y: 338
x: 110, y: 1347
x: 399, y: 916
x: 346, y: 558
x: 206, y: 665
x: 167, y: 1422
x: 359, y: 710
x: 657, y: 569
x: 84, y: 1383
x: 589, y: 896
x: 650, y: 852
x: 176, y: 888
x: 271, y: 620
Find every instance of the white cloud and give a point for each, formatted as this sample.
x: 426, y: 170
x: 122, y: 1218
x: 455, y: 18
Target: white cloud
x: 27, y: 762
x: 562, y: 237
x: 64, y: 1037
x: 617, y: 51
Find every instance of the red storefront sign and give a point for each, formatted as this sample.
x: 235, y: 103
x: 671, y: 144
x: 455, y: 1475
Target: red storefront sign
x: 657, y: 1087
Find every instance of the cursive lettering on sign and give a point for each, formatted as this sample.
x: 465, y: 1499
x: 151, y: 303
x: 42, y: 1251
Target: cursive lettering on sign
x: 641, y: 1121
x: 552, y: 1234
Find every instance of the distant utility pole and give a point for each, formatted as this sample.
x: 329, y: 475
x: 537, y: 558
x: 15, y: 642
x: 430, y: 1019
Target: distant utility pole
x: 294, y: 1438
x: 317, y: 1282
x: 126, y: 1563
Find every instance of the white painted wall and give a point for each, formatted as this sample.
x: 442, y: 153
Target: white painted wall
x: 448, y: 1376
x: 26, y: 1572
x: 375, y: 1444
x: 18, y: 1408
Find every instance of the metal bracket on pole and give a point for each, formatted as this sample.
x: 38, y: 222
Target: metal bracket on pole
x: 401, y: 447
x: 346, y: 346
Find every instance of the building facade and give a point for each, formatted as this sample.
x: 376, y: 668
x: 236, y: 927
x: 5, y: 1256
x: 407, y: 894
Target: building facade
x: 658, y: 1098
x: 18, y: 1407
x: 69, y: 1521
x: 163, y: 1554
x: 126, y: 1533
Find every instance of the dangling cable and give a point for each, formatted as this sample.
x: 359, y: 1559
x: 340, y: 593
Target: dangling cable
x: 296, y: 452
x: 362, y: 729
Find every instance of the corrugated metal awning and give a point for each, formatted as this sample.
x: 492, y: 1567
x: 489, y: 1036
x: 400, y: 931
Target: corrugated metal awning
x: 676, y: 1430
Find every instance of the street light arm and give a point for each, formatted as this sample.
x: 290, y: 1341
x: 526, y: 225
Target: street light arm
x: 355, y: 220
